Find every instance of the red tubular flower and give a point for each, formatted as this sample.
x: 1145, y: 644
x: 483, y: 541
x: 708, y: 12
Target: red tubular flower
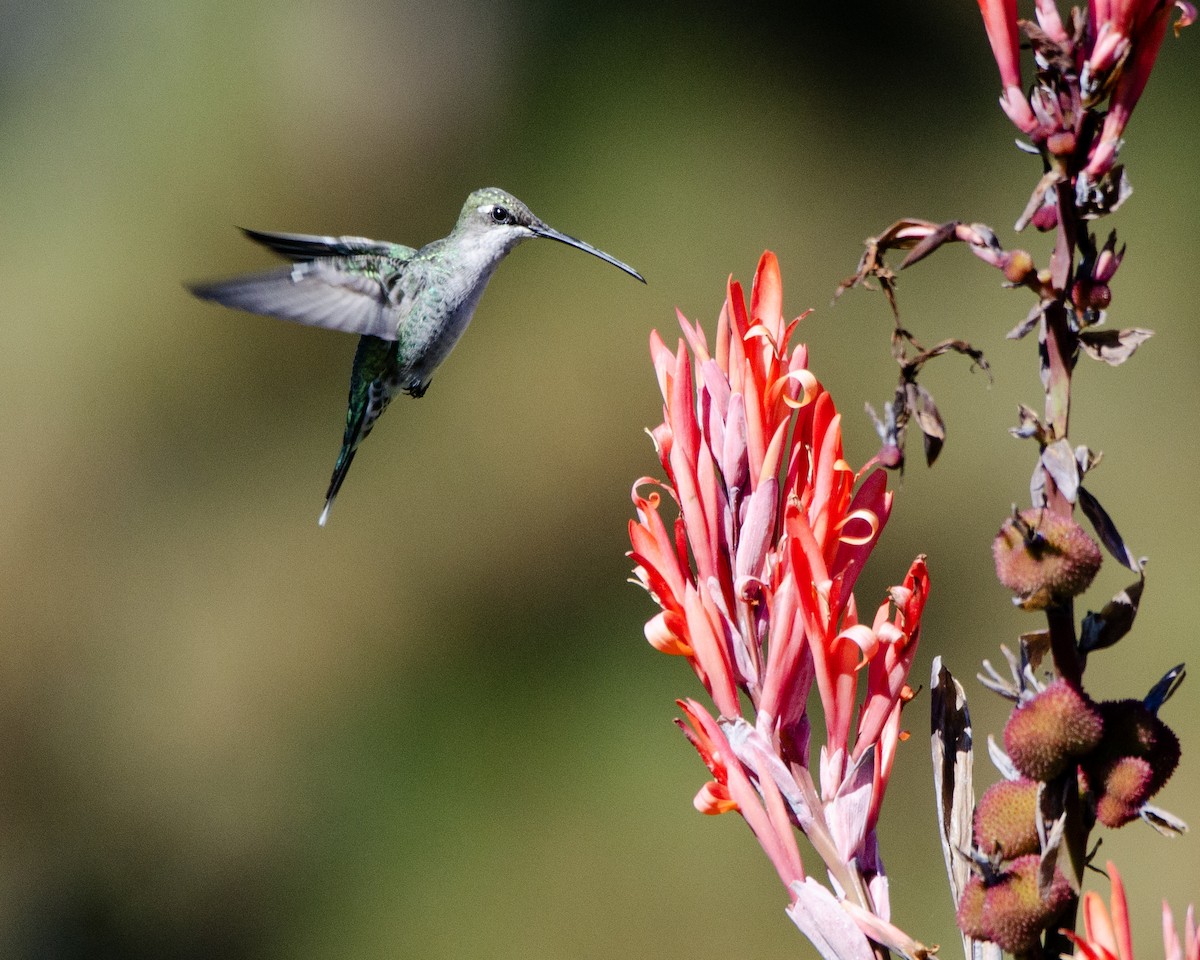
x: 755, y: 583
x: 1127, y: 35
x: 1107, y: 935
x: 1000, y: 21
x: 1172, y: 948
x: 731, y: 789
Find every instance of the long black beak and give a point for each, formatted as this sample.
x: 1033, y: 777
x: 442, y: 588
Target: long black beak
x: 541, y: 230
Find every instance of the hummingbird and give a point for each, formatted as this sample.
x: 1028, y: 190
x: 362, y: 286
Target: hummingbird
x: 409, y: 307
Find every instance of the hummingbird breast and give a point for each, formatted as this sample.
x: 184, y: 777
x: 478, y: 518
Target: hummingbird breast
x: 442, y: 302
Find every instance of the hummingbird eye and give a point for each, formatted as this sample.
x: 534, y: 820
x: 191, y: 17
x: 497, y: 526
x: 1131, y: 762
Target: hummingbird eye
x: 500, y: 215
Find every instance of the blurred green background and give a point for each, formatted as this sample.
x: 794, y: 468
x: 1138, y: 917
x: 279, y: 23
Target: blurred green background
x: 434, y: 729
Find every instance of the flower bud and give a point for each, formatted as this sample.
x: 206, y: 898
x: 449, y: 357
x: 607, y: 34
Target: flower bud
x: 890, y: 455
x: 1044, y: 558
x: 1006, y: 819
x: 1091, y: 295
x: 1061, y: 143
x: 1019, y: 267
x: 1046, y: 217
x: 1045, y: 734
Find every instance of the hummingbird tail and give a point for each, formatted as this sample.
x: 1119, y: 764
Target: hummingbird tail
x: 370, y: 391
x: 340, y: 469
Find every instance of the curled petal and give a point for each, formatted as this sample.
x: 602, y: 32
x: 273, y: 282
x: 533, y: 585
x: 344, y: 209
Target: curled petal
x: 665, y: 633
x: 872, y: 522
x: 760, y: 331
x: 749, y: 588
x: 809, y: 388
x: 890, y: 633
x: 864, y: 638
x: 1187, y: 15
x: 713, y: 799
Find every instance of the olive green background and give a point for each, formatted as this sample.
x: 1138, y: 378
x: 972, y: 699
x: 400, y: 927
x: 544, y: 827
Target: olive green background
x: 434, y: 729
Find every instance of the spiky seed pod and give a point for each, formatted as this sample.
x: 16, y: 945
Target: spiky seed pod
x: 1015, y: 913
x: 1134, y: 760
x: 970, y: 909
x: 1044, y: 558
x: 1006, y: 819
x: 1122, y: 791
x: 1045, y: 734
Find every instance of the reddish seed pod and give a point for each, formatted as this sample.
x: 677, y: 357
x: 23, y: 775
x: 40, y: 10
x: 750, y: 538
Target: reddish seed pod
x: 1015, y: 913
x: 1133, y: 762
x: 1044, y: 558
x: 970, y: 909
x: 1006, y: 819
x: 1058, y: 725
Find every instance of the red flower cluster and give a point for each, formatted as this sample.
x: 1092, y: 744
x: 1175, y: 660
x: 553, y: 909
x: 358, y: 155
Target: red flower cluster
x: 755, y: 580
x: 1111, y: 61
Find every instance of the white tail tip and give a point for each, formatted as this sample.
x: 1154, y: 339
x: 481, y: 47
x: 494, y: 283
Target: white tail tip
x: 324, y: 514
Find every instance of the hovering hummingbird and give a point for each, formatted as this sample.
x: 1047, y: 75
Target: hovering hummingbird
x: 409, y: 306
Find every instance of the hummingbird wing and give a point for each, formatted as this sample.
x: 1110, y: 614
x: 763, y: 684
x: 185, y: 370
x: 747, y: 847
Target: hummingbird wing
x: 303, y: 246
x: 358, y: 294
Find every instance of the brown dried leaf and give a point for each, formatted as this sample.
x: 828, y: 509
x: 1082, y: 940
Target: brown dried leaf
x: 1103, y: 629
x: 1107, y: 531
x: 1114, y: 347
x: 944, y: 234
x: 1059, y: 461
x: 1029, y: 425
x: 1030, y: 321
x: 931, y: 424
x: 953, y: 762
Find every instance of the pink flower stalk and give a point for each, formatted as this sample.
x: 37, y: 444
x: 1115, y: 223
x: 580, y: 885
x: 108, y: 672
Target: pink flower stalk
x: 1107, y: 934
x: 755, y: 582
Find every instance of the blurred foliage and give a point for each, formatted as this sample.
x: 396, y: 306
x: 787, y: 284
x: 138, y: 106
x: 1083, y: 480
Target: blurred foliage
x: 434, y: 729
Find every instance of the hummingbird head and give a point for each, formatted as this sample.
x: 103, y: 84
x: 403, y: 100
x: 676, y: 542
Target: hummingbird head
x: 499, y: 219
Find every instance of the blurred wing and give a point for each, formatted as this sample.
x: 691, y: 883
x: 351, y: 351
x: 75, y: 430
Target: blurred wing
x: 302, y: 246
x: 347, y: 296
